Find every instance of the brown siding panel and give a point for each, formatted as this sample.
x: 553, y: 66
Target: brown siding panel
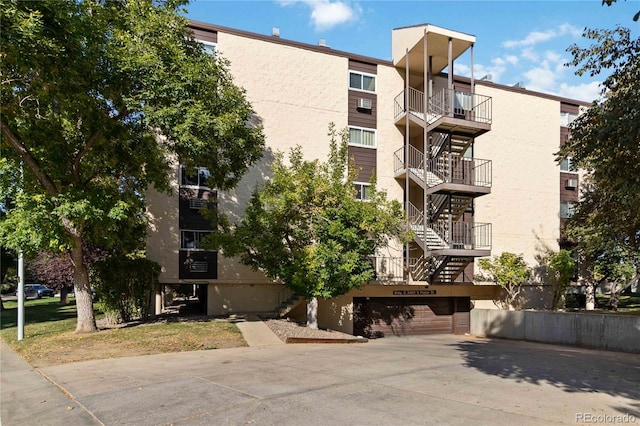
x: 567, y: 194
x: 205, y: 35
x: 362, y: 67
x: 564, y: 135
x: 365, y: 161
x: 570, y: 108
x: 361, y: 117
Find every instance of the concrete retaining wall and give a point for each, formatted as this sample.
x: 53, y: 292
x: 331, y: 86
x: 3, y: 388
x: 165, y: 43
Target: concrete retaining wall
x: 611, y: 332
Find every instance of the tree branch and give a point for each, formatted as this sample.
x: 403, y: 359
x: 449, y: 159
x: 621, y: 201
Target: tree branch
x: 78, y: 157
x: 31, y: 162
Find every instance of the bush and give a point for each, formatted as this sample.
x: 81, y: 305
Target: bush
x: 125, y: 287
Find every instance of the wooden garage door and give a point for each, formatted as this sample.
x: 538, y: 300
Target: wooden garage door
x: 379, y: 317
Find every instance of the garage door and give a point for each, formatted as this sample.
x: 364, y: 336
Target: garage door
x: 379, y: 317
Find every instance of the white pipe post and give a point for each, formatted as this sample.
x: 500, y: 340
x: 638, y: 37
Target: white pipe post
x: 20, y: 293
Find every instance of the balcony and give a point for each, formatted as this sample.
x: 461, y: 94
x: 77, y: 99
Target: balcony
x: 448, y: 173
x: 449, y: 110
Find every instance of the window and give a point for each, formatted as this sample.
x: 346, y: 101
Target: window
x: 210, y: 48
x: 566, y: 165
x: 567, y: 118
x: 566, y: 209
x: 192, y: 240
x: 362, y: 137
x: 360, y: 81
x: 363, y: 192
x: 197, y: 176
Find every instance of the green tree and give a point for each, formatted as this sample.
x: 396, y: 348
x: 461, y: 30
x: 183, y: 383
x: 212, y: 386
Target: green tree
x: 509, y: 271
x: 96, y: 98
x: 563, y: 267
x: 605, y: 140
x: 306, y: 229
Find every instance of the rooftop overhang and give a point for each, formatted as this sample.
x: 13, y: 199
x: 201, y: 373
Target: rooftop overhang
x: 413, y: 38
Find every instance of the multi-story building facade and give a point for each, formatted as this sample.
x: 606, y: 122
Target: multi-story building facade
x: 472, y: 162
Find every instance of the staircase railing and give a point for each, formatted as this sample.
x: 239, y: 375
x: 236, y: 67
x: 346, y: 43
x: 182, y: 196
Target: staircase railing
x: 419, y: 268
x: 416, y: 217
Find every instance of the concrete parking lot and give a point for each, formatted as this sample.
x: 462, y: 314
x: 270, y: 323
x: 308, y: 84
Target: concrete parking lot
x: 431, y: 380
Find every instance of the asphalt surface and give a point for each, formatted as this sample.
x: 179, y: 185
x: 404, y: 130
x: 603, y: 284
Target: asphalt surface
x: 429, y: 380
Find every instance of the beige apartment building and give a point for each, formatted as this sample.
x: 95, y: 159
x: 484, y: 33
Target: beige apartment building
x: 472, y: 162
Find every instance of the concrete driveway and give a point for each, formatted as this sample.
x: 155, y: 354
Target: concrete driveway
x: 431, y: 380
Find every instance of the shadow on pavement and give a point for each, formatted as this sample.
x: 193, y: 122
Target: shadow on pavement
x: 612, y: 373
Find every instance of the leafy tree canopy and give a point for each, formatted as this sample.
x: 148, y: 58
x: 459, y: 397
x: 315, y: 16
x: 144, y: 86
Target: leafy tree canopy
x: 96, y: 98
x: 509, y: 271
x: 605, y: 140
x: 305, y: 227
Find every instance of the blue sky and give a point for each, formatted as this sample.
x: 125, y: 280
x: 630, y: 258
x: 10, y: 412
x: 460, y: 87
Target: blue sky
x: 516, y: 41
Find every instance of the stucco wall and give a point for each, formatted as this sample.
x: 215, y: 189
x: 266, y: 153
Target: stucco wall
x: 224, y: 299
x: 524, y: 202
x: 295, y: 96
x: 163, y: 236
x: 611, y: 332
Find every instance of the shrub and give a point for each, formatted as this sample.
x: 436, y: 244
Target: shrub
x: 125, y: 287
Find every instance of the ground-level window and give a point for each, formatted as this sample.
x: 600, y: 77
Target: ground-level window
x: 363, y: 190
x: 192, y: 240
x: 359, y: 136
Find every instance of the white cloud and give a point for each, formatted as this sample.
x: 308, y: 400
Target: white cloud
x: 541, y: 79
x: 583, y: 92
x: 496, y: 69
x: 512, y: 59
x: 326, y: 14
x: 535, y: 37
x: 530, y: 54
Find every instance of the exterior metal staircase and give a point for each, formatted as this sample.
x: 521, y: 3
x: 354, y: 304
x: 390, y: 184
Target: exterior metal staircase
x: 448, y: 268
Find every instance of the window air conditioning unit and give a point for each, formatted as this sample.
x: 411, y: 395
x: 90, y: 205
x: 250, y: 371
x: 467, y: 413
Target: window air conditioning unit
x: 196, y: 203
x: 571, y: 184
x: 364, y: 103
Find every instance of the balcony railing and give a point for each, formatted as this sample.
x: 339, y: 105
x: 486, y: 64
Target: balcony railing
x: 468, y: 106
x: 388, y: 268
x: 464, y: 235
x: 447, y: 102
x: 452, y: 168
x: 415, y: 159
x: 446, y: 168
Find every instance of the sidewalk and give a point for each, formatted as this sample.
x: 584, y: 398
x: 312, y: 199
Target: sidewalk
x: 256, y: 332
x: 28, y: 398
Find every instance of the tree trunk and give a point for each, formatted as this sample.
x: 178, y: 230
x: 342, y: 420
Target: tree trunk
x: 615, y: 297
x: 312, y: 313
x: 84, y: 303
x: 64, y: 295
x: 591, y: 296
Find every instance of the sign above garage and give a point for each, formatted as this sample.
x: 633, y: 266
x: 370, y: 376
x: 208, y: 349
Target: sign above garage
x: 413, y: 292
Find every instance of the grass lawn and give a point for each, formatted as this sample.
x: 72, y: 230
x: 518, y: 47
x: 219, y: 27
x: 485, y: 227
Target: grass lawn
x: 49, y: 337
x: 628, y: 304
